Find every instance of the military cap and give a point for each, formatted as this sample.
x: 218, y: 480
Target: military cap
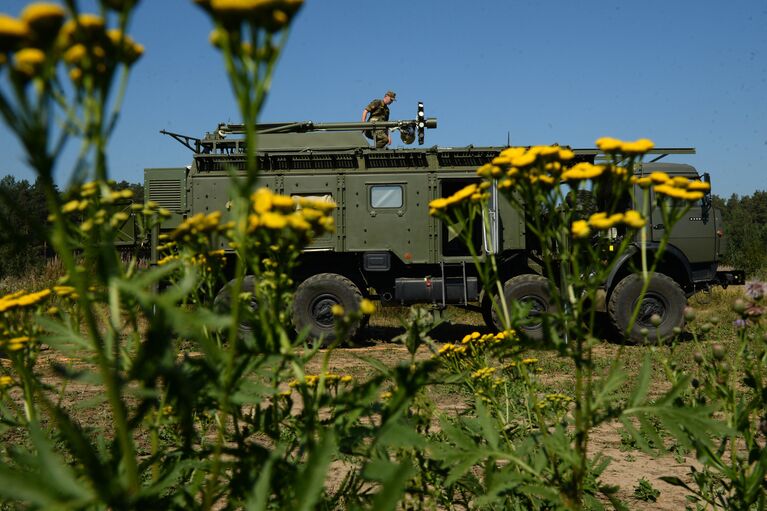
x: 391, y: 95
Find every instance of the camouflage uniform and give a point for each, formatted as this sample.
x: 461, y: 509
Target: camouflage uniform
x: 378, y: 112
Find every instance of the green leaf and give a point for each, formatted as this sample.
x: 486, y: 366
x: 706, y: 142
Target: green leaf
x: 259, y: 497
x: 489, y: 427
x: 54, y: 471
x: 393, y: 487
x: 312, y: 478
x: 643, y: 385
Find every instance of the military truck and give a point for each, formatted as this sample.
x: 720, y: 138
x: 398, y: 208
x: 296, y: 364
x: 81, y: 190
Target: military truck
x: 387, y: 247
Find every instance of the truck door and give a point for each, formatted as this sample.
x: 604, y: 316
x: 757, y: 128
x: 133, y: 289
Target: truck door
x: 694, y: 234
x: 388, y: 212
x: 450, y: 242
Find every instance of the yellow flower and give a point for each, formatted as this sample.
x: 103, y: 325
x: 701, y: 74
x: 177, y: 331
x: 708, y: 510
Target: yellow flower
x: 63, y: 290
x: 346, y: 379
x: 446, y: 348
x: 642, y: 182
x: 33, y: 298
x: 283, y: 202
x: 580, y: 229
x: 680, y: 181
x: 633, y: 219
x: 337, y: 310
x: 273, y: 220
x: 659, y: 178
x: 465, y: 192
x: 524, y: 160
x: 367, y: 307
x: 43, y: 18
x: 29, y: 61
x: 298, y: 223
x: 12, y: 32
x: 482, y: 373
x: 5, y: 381
x: 613, y: 145
x: 608, y: 144
x: 699, y: 186
x: 692, y: 196
x: 86, y: 26
x: 437, y: 205
x: 583, y: 170
x: 670, y: 191
x: 640, y: 146
x: 262, y: 200
x: 528, y: 361
x: 601, y: 221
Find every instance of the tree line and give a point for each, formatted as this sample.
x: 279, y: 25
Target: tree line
x: 24, y: 224
x: 24, y: 219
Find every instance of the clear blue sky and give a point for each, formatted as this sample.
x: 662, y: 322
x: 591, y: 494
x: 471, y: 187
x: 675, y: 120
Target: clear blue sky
x: 683, y: 73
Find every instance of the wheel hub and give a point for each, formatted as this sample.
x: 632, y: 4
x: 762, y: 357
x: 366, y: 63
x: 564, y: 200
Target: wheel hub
x: 322, y: 310
x: 651, y: 305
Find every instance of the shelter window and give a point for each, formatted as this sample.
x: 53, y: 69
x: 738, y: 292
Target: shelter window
x: 386, y: 196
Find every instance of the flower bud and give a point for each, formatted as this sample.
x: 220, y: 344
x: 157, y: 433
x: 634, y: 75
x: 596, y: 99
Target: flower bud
x: 689, y: 313
x: 739, y: 306
x: 698, y: 357
x: 655, y: 320
x: 718, y: 351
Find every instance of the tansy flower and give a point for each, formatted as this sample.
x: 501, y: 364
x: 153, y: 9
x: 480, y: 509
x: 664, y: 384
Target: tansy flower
x: 580, y: 229
x: 583, y: 170
x: 12, y: 32
x: 699, y: 186
x: 262, y: 200
x: 670, y: 191
x: 608, y: 144
x: 633, y: 219
x: 337, y: 310
x: 601, y: 221
x: 367, y: 307
x: 640, y: 146
x: 659, y: 178
x: 29, y: 61
x: 44, y: 19
x: 273, y: 220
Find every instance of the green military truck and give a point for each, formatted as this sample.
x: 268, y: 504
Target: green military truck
x: 386, y: 246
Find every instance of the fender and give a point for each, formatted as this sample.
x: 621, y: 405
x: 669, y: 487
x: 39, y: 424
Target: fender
x: 671, y: 253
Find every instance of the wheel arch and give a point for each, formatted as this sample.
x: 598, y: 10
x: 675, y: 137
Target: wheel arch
x: 672, y: 263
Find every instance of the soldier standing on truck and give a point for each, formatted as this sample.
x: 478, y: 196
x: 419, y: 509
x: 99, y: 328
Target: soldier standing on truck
x: 378, y: 110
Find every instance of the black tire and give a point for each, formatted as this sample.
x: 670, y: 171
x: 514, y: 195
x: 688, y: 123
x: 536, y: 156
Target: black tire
x: 314, y: 300
x: 222, y: 303
x: 664, y: 297
x: 533, y: 290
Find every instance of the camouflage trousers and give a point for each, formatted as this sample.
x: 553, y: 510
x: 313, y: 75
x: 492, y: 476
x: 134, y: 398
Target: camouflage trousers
x: 381, y: 138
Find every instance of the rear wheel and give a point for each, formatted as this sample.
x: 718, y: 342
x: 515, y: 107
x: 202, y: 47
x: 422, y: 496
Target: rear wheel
x: 532, y: 291
x: 314, y: 301
x: 223, y: 301
x: 664, y: 298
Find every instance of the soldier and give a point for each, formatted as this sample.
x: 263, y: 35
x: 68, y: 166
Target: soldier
x: 378, y: 110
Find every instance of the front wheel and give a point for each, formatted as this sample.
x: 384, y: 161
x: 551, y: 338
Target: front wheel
x: 533, y: 292
x: 664, y: 298
x: 314, y: 301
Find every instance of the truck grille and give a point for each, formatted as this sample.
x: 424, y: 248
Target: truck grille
x: 166, y: 192
x: 465, y: 158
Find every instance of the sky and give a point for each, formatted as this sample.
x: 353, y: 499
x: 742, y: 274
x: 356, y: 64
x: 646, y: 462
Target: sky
x: 684, y: 73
